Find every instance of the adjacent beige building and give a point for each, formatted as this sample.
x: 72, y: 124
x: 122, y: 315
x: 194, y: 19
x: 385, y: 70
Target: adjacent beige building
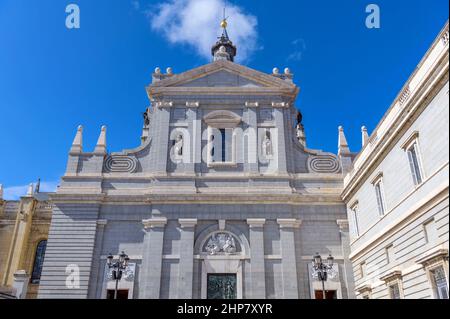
x: 24, y: 226
x: 397, y: 193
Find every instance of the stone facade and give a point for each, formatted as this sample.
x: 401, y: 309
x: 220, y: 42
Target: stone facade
x: 397, y: 193
x: 222, y: 183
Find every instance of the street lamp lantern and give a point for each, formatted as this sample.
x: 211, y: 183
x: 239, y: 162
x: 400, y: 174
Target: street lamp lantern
x: 330, y: 261
x: 322, y: 269
x: 109, y: 260
x: 117, y: 268
x: 317, y: 260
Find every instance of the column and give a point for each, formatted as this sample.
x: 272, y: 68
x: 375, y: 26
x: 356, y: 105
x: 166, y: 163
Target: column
x: 250, y: 157
x: 20, y: 284
x: 19, y: 242
x: 281, y: 141
x: 258, y: 274
x: 345, y: 246
x: 195, y: 139
x: 186, y: 257
x: 289, y: 263
x: 161, y: 138
x: 98, y: 268
x: 150, y: 274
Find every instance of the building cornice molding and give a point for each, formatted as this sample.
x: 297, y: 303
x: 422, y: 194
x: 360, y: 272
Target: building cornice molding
x: 208, y: 91
x: 155, y: 222
x: 289, y: 222
x: 391, y: 276
x: 187, y: 222
x: 413, y: 137
x: 364, y: 288
x: 382, y: 146
x: 433, y: 255
x: 217, y: 66
x: 430, y: 76
x: 256, y: 222
x: 343, y: 224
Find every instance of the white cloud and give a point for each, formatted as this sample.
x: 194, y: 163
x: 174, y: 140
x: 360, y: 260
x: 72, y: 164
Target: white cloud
x: 136, y: 4
x: 299, y: 48
x: 196, y: 23
x: 15, y: 192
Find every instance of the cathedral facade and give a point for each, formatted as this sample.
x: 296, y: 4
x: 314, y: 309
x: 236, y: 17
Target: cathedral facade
x: 222, y: 199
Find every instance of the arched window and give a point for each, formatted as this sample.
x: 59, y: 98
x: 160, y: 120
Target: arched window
x: 38, y: 261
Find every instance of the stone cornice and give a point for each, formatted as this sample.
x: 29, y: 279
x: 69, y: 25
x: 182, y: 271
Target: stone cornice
x: 251, y: 104
x: 343, y: 224
x: 102, y: 222
x: 78, y: 197
x: 256, y: 222
x: 429, y: 76
x: 253, y: 176
x: 432, y: 256
x: 190, y: 104
x: 280, y: 105
x: 205, y: 91
x: 204, y: 70
x: 364, y: 288
x: 155, y: 222
x: 409, y: 113
x: 391, y: 276
x: 289, y: 222
x: 187, y: 222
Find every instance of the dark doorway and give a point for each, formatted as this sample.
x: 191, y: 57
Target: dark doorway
x: 329, y: 294
x: 221, y: 286
x: 121, y: 294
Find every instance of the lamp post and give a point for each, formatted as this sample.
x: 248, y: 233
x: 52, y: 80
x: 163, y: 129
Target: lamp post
x: 117, y: 268
x: 322, y: 269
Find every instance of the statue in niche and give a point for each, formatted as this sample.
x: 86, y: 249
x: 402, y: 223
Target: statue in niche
x: 300, y: 130
x: 146, y: 116
x: 267, y: 145
x: 179, y: 145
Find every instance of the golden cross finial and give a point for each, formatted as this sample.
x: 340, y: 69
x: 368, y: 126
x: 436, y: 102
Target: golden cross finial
x: 224, y: 22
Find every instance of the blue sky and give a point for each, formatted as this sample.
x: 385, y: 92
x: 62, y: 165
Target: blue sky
x: 52, y: 79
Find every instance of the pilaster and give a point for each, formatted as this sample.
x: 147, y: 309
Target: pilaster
x: 187, y: 226
x: 345, y: 247
x: 289, y: 264
x: 258, y: 274
x: 150, y: 276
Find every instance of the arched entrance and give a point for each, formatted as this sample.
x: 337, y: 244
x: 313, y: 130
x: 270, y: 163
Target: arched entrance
x: 222, y: 254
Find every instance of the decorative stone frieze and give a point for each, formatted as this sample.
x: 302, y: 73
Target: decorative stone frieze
x: 120, y: 164
x: 327, y: 163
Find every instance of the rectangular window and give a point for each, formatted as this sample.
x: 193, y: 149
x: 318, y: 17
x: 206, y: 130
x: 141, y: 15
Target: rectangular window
x: 380, y: 198
x: 222, y: 145
x: 390, y: 255
x: 414, y: 163
x: 439, y: 283
x: 223, y: 141
x: 394, y: 291
x: 430, y: 231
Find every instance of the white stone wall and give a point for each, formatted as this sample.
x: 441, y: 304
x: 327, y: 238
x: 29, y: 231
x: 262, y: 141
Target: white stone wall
x: 408, y: 206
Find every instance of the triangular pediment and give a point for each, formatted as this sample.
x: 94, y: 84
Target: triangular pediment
x: 223, y: 74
